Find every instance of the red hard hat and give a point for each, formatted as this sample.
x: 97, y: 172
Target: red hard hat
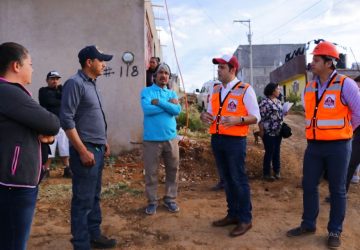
x: 326, y: 48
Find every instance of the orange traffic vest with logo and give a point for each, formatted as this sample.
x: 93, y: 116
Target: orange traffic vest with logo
x: 233, y: 105
x: 327, y: 118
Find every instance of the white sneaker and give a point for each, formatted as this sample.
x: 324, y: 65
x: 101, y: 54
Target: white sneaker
x: 355, y: 179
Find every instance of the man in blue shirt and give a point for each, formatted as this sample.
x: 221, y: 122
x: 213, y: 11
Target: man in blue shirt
x: 160, y: 106
x: 83, y: 119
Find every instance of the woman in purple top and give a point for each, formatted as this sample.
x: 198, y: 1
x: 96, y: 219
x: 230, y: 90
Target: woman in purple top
x: 270, y: 126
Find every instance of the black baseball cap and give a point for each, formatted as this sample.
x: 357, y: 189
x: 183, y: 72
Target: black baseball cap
x: 92, y: 52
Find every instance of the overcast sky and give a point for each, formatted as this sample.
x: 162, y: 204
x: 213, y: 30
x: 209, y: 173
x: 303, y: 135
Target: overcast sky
x: 203, y: 29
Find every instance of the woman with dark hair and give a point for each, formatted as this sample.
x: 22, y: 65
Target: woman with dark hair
x: 270, y: 125
x: 24, y: 126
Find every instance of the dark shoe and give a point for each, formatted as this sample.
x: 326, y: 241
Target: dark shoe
x: 225, y: 222
x: 103, y: 242
x: 269, y: 178
x: 219, y: 186
x: 67, y: 172
x: 334, y: 240
x: 151, y: 209
x: 277, y: 176
x: 171, y: 206
x: 240, y: 229
x: 297, y: 231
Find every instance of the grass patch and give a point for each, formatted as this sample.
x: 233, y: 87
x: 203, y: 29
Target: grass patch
x: 64, y: 191
x: 55, y: 192
x: 194, y: 134
x: 119, y: 188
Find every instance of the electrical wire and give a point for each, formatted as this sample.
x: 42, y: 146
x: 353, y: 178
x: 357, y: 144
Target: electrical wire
x: 291, y: 19
x: 213, y: 21
x: 178, y: 66
x: 317, y: 14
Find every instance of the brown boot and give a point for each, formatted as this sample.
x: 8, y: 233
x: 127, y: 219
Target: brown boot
x: 225, y: 222
x: 240, y: 229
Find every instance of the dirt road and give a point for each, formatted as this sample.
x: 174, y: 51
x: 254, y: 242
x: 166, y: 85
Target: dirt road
x: 277, y: 206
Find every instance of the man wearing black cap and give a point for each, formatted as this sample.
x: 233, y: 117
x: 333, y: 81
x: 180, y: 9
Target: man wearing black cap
x: 232, y: 108
x: 83, y: 119
x: 50, y: 98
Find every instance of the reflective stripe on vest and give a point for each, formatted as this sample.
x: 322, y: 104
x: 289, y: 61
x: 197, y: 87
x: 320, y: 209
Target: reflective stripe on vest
x: 327, y: 118
x: 232, y: 105
x: 324, y: 123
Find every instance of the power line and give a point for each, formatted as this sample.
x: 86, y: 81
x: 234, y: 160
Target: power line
x: 291, y: 19
x: 317, y: 14
x: 178, y: 66
x: 269, y: 11
x: 212, y: 20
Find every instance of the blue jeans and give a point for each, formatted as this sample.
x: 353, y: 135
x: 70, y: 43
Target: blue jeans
x: 335, y: 157
x: 85, y: 203
x: 17, y: 207
x: 272, y: 154
x: 230, y: 153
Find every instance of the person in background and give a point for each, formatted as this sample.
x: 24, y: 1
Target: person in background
x: 330, y: 101
x: 153, y: 63
x: 270, y: 125
x: 50, y: 98
x: 160, y: 106
x: 354, y: 165
x: 24, y: 125
x: 232, y: 108
x: 355, y: 177
x: 83, y: 119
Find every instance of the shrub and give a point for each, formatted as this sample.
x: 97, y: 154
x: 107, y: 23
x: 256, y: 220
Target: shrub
x: 195, y: 124
x: 294, y: 98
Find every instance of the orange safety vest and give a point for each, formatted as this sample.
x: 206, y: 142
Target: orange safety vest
x: 233, y: 105
x: 327, y: 118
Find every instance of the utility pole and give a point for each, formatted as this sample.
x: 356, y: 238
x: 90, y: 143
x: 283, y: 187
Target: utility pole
x: 248, y: 22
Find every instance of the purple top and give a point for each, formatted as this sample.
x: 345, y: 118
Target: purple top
x: 350, y: 95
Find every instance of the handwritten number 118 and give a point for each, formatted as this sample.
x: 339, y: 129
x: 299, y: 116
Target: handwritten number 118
x: 134, y: 71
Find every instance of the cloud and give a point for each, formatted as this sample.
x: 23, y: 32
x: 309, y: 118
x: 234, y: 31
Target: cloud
x: 204, y: 29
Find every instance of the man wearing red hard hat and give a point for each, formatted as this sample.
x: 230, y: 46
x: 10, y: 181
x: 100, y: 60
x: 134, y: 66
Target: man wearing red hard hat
x: 332, y: 113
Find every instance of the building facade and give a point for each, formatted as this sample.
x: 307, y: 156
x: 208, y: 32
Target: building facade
x: 55, y: 31
x: 266, y: 58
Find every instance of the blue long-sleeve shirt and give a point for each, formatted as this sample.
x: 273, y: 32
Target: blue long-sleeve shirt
x: 159, y: 120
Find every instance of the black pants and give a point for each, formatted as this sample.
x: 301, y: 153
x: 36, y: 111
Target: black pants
x: 355, y: 157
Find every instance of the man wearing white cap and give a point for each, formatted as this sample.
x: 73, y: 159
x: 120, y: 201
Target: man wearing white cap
x: 232, y: 108
x: 50, y: 98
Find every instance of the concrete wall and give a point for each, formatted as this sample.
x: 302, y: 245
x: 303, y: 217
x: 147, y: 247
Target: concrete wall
x: 54, y: 32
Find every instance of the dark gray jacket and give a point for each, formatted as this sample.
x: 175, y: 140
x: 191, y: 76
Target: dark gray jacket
x: 21, y: 121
